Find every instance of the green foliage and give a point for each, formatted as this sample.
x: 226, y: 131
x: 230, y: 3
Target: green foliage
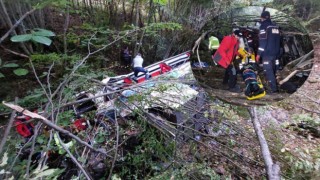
x: 189, y: 171
x: 44, y: 3
x: 147, y: 157
x: 3, y: 109
x: 21, y: 72
x: 62, y: 62
x: 160, y: 2
x: 302, y: 166
x: 35, y: 98
x: 165, y: 26
x: 21, y: 38
x: 18, y: 72
x: 42, y: 40
x: 37, y: 36
x: 49, y: 58
x: 307, y: 118
x: 64, y: 118
x: 46, y: 173
x: 227, y: 111
x: 10, y: 65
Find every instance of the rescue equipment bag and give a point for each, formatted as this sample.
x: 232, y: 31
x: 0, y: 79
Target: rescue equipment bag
x: 22, y: 127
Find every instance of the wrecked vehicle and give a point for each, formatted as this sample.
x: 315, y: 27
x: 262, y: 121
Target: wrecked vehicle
x: 168, y: 90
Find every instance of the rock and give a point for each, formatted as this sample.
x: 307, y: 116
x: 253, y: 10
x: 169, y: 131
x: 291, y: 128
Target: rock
x: 279, y: 115
x: 313, y: 80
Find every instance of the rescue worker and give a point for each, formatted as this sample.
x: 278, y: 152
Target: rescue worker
x: 269, y: 49
x: 225, y: 55
x: 137, y: 66
x: 126, y: 57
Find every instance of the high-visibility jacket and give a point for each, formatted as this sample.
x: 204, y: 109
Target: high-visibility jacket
x: 213, y: 43
x: 227, y: 51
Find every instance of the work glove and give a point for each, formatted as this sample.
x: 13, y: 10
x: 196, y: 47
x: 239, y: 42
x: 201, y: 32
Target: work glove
x: 258, y: 58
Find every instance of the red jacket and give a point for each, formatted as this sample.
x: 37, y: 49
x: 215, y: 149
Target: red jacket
x: 227, y: 50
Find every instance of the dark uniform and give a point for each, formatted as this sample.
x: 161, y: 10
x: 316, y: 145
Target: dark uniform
x: 269, y: 48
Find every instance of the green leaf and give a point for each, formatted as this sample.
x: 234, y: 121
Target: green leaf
x: 11, y: 65
x: 4, y: 160
x: 20, y: 72
x: 100, y: 139
x: 43, y: 32
x: 44, y: 173
x: 21, y: 38
x: 42, y: 40
x: 40, y: 140
x: 1, y: 75
x: 161, y: 2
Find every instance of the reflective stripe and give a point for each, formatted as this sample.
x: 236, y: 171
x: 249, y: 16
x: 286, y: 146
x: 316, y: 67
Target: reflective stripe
x: 265, y: 62
x: 261, y: 49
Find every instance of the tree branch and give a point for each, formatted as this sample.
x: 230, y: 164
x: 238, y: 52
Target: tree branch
x: 272, y: 169
x: 73, y: 158
x: 52, y: 125
x: 6, y: 133
x: 15, y: 53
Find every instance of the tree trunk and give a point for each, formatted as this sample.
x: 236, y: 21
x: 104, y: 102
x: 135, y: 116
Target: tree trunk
x: 9, y: 22
x: 65, y: 29
x: 132, y: 9
x: 151, y: 10
x: 111, y: 12
x: 91, y: 7
x: 42, y: 18
x: 24, y: 27
x: 124, y: 10
x: 32, y: 17
x: 136, y: 26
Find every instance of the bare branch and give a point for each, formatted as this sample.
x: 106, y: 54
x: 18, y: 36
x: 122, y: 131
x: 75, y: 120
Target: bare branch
x: 52, y: 125
x: 6, y: 133
x: 288, y: 77
x: 272, y: 169
x: 115, y: 150
x: 15, y: 53
x: 34, y: 137
x: 73, y: 158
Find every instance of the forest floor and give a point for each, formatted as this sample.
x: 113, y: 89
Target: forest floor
x: 291, y: 126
